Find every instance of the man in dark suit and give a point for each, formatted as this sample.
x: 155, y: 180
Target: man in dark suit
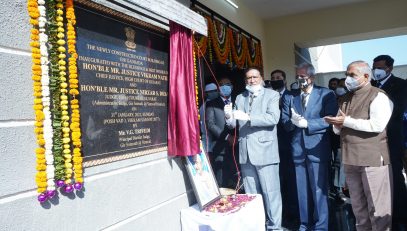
x: 396, y: 89
x: 303, y: 114
x: 222, y: 136
x: 287, y: 171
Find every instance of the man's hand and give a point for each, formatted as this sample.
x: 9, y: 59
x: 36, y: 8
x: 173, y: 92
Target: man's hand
x: 337, y: 120
x: 240, y: 115
x: 298, y: 120
x: 228, y: 109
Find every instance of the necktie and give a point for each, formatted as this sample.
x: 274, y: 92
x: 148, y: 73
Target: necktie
x: 251, y: 102
x: 379, y: 84
x: 304, y: 100
x: 227, y: 102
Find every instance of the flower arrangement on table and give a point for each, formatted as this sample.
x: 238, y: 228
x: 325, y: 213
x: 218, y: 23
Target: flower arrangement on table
x: 56, y: 105
x: 230, y: 203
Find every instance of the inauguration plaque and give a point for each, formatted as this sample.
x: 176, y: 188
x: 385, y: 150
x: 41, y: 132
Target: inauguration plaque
x: 123, y: 77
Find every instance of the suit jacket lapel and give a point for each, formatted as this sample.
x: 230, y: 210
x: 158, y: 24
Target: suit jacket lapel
x: 297, y: 104
x: 313, y: 98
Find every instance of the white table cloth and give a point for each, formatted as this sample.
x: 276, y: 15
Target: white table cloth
x: 251, y: 217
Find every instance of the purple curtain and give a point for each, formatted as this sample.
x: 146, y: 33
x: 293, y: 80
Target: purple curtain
x: 183, y: 127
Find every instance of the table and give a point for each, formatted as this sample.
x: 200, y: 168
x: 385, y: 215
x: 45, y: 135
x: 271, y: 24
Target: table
x: 251, y: 217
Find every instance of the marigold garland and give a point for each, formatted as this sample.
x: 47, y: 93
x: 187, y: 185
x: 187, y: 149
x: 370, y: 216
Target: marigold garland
x: 41, y: 176
x: 220, y: 40
x: 55, y: 137
x: 74, y: 92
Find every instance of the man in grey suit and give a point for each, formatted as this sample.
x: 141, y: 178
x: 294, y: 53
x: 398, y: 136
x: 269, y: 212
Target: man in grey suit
x: 257, y: 113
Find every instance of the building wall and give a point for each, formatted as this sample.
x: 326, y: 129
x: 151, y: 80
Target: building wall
x: 370, y: 19
x: 145, y: 193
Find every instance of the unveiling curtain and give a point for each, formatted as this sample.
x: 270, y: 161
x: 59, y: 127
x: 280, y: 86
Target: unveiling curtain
x: 183, y: 127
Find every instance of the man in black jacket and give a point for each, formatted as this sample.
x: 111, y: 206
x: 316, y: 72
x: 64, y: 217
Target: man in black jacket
x: 222, y: 136
x: 396, y: 89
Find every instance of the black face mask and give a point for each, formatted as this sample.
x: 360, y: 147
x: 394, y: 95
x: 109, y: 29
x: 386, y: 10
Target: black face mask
x: 277, y: 84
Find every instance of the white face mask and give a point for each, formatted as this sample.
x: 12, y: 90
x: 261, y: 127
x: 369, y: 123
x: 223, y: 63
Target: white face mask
x: 379, y: 74
x: 254, y: 89
x: 351, y: 83
x: 340, y: 91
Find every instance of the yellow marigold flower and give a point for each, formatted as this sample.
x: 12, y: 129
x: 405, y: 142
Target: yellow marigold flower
x: 64, y: 112
x: 42, y: 184
x: 41, y: 174
x: 61, y: 56
x: 34, y: 37
x: 69, y: 171
x: 41, y: 190
x: 59, y: 5
x: 66, y: 130
x: 74, y: 92
x: 59, y: 19
x: 66, y: 140
x: 67, y: 151
x: 60, y: 12
x: 40, y: 161
x: 38, y: 107
x: 62, y: 68
x: 41, y: 167
x: 34, y: 44
x: 61, y: 49
x: 38, y: 124
x: 65, y: 124
x: 40, y: 150
x: 36, y: 77
x: 41, y: 142
x: 63, y: 79
x: 74, y: 106
x: 65, y: 135
x: 68, y: 181
x: 60, y: 24
x: 38, y: 130
x: 77, y: 143
x: 64, y: 102
x: 61, y: 62
x: 74, y: 86
x: 64, y: 90
x: 61, y: 42
x: 34, y: 22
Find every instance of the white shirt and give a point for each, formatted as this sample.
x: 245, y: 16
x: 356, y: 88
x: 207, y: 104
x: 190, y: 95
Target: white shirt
x: 380, y: 113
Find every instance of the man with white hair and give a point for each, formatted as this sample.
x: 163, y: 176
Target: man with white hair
x: 257, y: 114
x: 361, y: 121
x: 303, y: 115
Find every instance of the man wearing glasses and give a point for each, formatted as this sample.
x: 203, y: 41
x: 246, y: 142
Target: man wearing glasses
x: 303, y: 115
x: 257, y: 113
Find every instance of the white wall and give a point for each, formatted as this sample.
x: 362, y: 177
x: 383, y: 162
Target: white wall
x: 370, y: 19
x: 144, y: 193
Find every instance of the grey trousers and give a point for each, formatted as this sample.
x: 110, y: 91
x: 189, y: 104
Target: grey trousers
x: 265, y: 180
x: 370, y: 191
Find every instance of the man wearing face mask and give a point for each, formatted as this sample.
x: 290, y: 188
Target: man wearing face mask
x: 287, y: 171
x: 222, y: 136
x: 303, y: 115
x: 333, y: 84
x: 361, y: 123
x: 211, y: 92
x: 341, y: 89
x: 396, y: 89
x: 256, y: 113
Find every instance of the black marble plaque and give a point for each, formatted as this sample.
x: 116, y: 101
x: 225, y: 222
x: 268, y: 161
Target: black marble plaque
x: 123, y: 77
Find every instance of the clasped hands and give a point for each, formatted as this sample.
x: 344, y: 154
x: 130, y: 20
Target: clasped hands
x: 298, y: 120
x: 236, y: 114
